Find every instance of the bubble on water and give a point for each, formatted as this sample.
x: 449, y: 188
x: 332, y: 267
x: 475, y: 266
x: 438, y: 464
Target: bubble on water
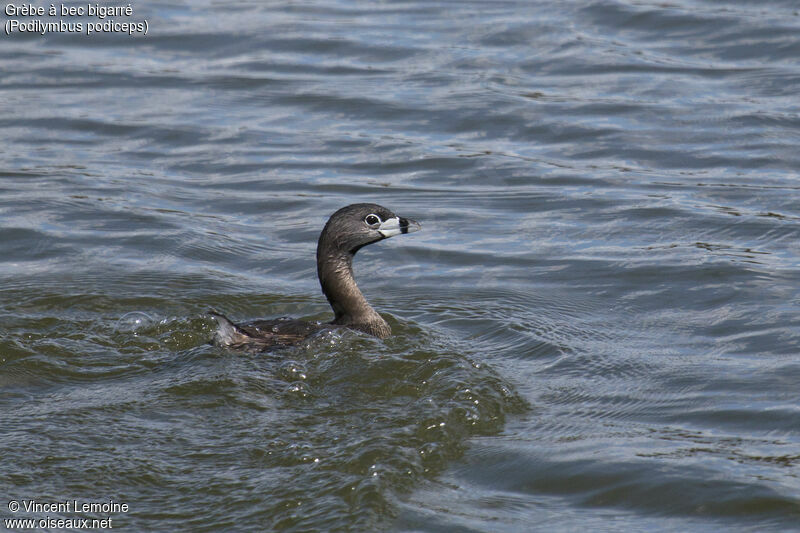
x: 297, y: 389
x: 291, y: 371
x: 133, y: 322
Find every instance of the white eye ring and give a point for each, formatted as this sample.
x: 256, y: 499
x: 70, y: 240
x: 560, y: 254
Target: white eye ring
x: 372, y: 220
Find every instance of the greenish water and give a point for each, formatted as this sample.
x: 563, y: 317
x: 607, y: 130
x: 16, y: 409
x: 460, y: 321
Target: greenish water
x: 597, y: 327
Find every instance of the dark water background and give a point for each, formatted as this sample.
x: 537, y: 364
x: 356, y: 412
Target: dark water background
x: 597, y: 329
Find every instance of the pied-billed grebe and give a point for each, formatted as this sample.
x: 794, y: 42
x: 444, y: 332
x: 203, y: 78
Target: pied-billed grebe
x: 347, y: 231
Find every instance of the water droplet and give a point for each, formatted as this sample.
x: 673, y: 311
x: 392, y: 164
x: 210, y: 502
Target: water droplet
x: 133, y: 322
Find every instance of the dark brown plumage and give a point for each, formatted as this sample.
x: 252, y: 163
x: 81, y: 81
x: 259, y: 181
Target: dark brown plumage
x: 348, y: 230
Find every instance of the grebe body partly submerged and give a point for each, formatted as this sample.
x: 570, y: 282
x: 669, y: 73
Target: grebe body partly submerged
x: 348, y: 230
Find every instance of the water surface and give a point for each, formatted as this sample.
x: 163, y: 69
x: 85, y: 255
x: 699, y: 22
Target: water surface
x: 597, y: 328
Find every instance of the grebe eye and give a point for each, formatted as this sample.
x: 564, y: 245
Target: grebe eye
x: 372, y: 220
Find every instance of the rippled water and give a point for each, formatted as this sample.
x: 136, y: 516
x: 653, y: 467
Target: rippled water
x: 597, y: 328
